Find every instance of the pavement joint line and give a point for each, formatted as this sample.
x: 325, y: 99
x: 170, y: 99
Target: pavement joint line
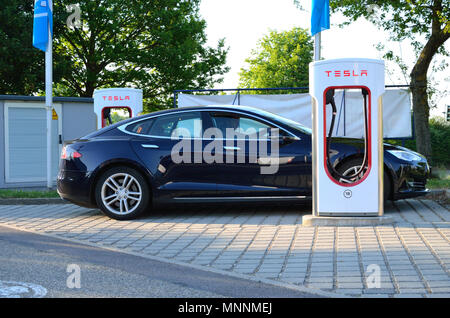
x: 228, y: 243
x: 433, y: 252
x: 192, y: 242
x: 100, y: 221
x: 52, y: 228
x: 113, y: 225
x: 77, y: 211
x: 11, y: 210
x: 314, y: 291
x: 310, y: 257
x: 279, y: 219
x: 386, y: 261
x: 142, y: 224
x: 362, y: 270
x: 289, y: 250
x: 430, y: 209
x: 246, y: 248
x: 432, y: 206
x: 150, y: 243
x: 207, y: 245
x: 104, y: 232
x: 431, y: 249
x: 26, y: 211
x: 26, y: 222
x: 198, y: 236
x: 411, y: 259
x: 170, y: 242
x: 400, y: 212
x: 443, y: 235
x: 335, y: 251
x: 415, y: 210
x: 267, y: 250
x: 67, y: 221
x: 55, y: 224
x: 161, y: 224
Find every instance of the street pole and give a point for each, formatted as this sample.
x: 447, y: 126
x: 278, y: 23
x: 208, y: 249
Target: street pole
x: 49, y: 100
x: 317, y: 46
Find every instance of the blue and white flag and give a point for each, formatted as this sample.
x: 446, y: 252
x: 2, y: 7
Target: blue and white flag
x: 43, y: 17
x: 320, y: 16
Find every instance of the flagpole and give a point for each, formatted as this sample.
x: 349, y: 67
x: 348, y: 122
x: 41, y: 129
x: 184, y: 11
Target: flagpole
x: 49, y: 100
x: 317, y: 40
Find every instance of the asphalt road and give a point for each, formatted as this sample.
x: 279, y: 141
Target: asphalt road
x: 27, y: 258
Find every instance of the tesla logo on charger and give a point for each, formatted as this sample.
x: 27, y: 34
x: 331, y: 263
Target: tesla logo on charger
x: 116, y: 98
x: 346, y: 73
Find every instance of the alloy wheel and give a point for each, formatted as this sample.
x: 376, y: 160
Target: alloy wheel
x: 121, y: 193
x: 352, y: 171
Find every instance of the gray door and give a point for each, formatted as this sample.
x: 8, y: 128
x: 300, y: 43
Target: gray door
x: 26, y: 143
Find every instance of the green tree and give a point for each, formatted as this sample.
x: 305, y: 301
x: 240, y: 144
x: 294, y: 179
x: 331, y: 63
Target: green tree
x: 280, y: 60
x: 21, y: 66
x: 426, y: 24
x: 155, y: 45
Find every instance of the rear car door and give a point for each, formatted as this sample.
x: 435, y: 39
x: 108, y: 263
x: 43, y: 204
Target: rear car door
x: 176, y: 164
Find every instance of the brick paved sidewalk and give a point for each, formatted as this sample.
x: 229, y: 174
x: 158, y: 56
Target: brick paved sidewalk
x: 412, y: 257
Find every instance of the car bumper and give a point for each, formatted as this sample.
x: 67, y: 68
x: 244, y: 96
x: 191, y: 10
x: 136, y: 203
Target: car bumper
x: 410, y: 194
x: 74, y: 186
x: 411, y: 180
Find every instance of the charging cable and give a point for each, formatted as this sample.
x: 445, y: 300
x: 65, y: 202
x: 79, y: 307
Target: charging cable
x: 330, y: 100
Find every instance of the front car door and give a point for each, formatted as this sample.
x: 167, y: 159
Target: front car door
x: 272, y: 163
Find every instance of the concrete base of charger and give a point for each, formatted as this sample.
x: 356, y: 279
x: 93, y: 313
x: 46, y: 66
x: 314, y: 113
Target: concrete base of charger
x: 311, y: 220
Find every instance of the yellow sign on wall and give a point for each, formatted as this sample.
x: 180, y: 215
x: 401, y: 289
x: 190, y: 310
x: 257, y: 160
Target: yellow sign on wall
x: 54, y: 114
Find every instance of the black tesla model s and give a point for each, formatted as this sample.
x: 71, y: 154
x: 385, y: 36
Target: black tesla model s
x: 218, y: 154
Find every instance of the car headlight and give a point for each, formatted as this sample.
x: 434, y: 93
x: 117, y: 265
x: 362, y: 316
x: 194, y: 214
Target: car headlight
x: 406, y: 155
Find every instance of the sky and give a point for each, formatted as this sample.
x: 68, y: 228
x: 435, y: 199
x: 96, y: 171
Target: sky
x: 243, y: 22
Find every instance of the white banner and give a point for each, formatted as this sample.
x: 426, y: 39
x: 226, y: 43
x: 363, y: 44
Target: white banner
x: 349, y: 120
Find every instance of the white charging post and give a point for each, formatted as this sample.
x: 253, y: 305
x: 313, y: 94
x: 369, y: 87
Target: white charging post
x: 114, y: 99
x: 332, y: 197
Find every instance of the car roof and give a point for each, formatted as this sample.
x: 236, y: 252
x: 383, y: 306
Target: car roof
x: 247, y: 109
x: 224, y: 107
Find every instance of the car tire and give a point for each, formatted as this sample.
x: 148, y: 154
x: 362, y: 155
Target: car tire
x: 122, y: 193
x: 387, y: 185
x: 356, y: 163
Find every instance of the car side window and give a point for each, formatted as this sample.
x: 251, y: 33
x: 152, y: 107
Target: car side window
x: 141, y: 127
x: 243, y: 126
x: 187, y: 124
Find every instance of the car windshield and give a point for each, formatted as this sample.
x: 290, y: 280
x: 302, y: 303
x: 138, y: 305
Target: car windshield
x: 283, y: 120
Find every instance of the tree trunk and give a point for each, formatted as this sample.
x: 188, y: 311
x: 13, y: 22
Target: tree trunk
x: 421, y: 111
x: 419, y: 83
x: 90, y: 88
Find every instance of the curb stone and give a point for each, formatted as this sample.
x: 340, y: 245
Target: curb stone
x: 438, y: 192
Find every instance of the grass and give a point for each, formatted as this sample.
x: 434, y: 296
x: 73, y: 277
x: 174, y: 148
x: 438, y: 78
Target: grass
x: 436, y: 183
x: 9, y: 194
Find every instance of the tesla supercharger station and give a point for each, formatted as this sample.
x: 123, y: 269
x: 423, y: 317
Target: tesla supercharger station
x: 358, y: 192
x: 126, y: 100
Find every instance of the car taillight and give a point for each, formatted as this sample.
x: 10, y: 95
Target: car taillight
x: 64, y: 153
x: 69, y: 155
x: 76, y: 154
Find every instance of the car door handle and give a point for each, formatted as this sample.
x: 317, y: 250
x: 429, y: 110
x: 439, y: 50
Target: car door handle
x: 231, y: 148
x: 150, y: 146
